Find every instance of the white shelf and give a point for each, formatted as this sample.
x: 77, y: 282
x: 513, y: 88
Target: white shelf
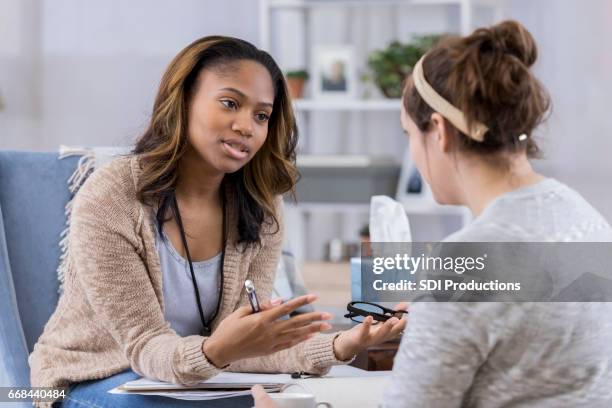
x: 316, y: 3
x: 391, y: 105
x: 359, y: 208
x: 343, y: 161
x: 465, y: 6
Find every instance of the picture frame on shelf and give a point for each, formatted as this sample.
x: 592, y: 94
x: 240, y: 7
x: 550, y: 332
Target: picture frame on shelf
x: 334, y: 72
x: 412, y: 190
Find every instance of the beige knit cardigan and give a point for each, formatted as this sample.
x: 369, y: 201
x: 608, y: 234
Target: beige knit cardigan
x: 110, y: 316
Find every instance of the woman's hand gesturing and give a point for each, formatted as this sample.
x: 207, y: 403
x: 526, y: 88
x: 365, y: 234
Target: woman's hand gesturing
x: 367, y: 334
x: 245, y: 334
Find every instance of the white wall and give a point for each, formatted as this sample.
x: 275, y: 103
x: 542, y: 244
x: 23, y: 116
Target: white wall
x: 575, y: 44
x: 20, y: 108
x: 85, y: 72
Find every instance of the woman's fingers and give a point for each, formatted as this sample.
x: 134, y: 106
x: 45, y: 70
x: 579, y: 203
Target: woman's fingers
x: 243, y: 311
x: 366, y: 326
x: 261, y: 398
x: 302, y: 320
x: 402, y: 306
x: 291, y: 343
x: 383, y: 331
x: 288, y: 307
x: 269, y: 304
x: 303, y: 331
x: 398, y: 328
x: 246, y: 310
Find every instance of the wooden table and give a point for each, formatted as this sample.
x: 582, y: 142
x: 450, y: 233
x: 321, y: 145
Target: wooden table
x: 377, y: 358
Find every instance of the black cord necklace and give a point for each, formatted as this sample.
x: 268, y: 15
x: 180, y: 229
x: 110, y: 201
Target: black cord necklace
x: 206, y: 329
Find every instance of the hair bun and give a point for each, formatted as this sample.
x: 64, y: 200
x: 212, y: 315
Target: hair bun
x: 511, y: 37
x: 487, y: 76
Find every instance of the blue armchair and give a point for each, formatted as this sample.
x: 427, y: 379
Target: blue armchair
x: 33, y: 193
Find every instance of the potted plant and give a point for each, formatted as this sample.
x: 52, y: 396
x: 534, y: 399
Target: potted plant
x: 295, y: 82
x: 390, y: 66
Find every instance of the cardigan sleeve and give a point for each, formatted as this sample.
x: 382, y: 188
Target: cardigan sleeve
x: 315, y: 356
x: 107, y: 255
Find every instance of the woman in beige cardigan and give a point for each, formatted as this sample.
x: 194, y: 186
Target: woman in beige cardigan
x: 206, y: 177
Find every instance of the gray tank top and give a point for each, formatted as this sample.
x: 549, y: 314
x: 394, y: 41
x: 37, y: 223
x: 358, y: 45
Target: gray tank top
x: 180, y: 305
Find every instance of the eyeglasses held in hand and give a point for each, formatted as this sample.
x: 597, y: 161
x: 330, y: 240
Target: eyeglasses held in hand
x: 358, y: 311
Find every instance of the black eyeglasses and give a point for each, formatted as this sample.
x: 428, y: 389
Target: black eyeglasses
x: 358, y: 311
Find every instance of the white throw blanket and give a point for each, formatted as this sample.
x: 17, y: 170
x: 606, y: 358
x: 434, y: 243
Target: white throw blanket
x: 91, y: 159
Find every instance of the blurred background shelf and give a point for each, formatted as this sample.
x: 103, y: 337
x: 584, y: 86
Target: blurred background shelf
x: 411, y: 209
x: 352, y: 147
x: 391, y: 105
x: 345, y: 178
x: 466, y: 10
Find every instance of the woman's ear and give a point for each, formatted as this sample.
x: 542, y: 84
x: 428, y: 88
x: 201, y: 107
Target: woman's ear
x: 442, y: 134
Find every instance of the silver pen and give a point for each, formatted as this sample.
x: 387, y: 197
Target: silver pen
x: 250, y: 290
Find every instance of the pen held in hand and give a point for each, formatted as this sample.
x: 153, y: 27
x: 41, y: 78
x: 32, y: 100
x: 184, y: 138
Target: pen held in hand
x: 250, y: 290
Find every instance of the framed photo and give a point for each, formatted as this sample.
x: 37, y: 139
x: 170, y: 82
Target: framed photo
x: 334, y: 72
x: 412, y: 190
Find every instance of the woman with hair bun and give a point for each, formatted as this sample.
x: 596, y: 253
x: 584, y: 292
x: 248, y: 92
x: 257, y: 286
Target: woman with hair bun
x: 162, y: 241
x: 470, y: 108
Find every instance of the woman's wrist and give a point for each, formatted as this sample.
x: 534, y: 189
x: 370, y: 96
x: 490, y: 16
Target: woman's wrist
x: 341, y: 351
x: 213, y: 354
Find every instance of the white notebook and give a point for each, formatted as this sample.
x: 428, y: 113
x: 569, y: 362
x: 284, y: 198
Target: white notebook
x: 223, y: 385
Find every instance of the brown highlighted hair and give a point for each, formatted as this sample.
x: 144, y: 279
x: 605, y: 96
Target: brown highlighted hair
x: 270, y: 172
x: 487, y: 76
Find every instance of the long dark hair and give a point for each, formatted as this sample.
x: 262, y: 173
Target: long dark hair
x: 272, y: 170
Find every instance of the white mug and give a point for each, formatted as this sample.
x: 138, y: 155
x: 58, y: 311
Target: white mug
x: 296, y: 400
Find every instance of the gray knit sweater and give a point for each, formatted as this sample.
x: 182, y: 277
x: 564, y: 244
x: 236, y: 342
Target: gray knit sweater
x: 512, y: 355
x: 111, y: 314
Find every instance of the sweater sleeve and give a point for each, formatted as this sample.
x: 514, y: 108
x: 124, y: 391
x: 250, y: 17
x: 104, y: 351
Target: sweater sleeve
x: 108, y: 265
x: 315, y: 356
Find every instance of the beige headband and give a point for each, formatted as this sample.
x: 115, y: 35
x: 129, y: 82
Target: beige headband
x: 442, y: 106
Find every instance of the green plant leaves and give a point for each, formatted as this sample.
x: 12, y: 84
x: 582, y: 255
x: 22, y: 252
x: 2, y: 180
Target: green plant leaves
x: 391, y: 65
x: 297, y: 74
